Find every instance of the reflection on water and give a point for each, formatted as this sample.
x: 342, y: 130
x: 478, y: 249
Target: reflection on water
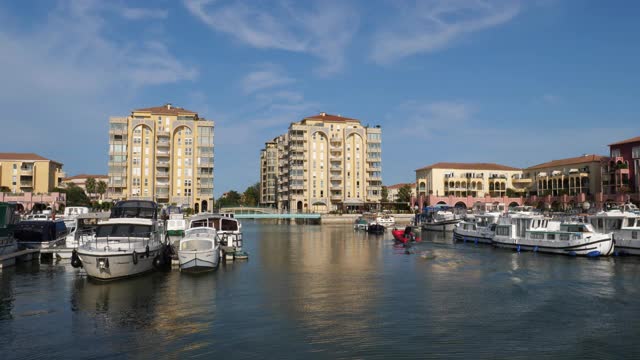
x: 331, y: 292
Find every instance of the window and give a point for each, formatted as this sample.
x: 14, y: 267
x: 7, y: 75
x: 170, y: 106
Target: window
x: 15, y: 166
x: 615, y: 152
x: 146, y: 182
x: 187, y: 182
x: 502, y: 230
x: 137, y: 140
x: 188, y: 151
x: 188, y: 141
x: 635, y: 152
x: 551, y: 236
x: 634, y: 235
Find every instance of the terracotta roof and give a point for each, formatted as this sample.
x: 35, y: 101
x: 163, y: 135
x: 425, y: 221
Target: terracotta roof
x: 569, y: 161
x: 468, y: 166
x: 398, y: 186
x: 166, y: 109
x: 24, y: 156
x: 329, y: 117
x: 85, y: 176
x: 632, y: 140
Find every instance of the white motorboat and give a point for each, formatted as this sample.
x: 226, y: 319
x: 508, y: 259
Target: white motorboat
x: 480, y: 228
x: 130, y: 242
x: 82, y: 225
x: 229, y: 231
x: 625, y: 226
x: 8, y: 221
x: 199, y: 249
x: 441, y: 221
x: 385, y: 219
x: 539, y: 234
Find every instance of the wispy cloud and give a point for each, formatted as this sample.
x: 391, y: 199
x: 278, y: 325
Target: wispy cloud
x: 424, y: 26
x: 324, y: 30
x: 423, y: 120
x: 140, y: 13
x: 268, y: 76
x: 551, y: 98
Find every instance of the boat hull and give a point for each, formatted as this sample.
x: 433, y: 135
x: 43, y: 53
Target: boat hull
x: 398, y: 236
x: 448, y: 225
x: 472, y: 236
x: 583, y: 247
x: 8, y: 246
x: 106, y: 266
x: 626, y: 246
x: 198, y: 261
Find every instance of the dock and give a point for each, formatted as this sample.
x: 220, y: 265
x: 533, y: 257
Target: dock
x: 8, y: 260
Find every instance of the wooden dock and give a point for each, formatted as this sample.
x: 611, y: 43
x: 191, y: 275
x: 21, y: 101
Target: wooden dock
x: 8, y: 260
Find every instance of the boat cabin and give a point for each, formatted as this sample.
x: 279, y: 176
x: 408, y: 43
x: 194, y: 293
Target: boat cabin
x: 143, y: 209
x: 40, y: 231
x: 8, y: 218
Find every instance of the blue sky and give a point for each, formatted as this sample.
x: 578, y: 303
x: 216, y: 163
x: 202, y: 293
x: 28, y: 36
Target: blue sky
x: 512, y: 82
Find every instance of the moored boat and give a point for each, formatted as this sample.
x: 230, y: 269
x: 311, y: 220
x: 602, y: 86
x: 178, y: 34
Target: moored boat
x: 441, y: 221
x: 625, y: 226
x: 199, y: 249
x: 375, y: 228
x: 481, y: 228
x: 40, y: 234
x: 539, y: 234
x: 8, y: 221
x: 130, y: 242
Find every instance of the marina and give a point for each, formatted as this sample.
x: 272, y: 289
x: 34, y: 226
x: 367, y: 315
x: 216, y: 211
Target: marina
x: 300, y: 282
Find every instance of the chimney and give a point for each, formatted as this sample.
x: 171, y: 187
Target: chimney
x: 168, y: 105
x: 323, y: 114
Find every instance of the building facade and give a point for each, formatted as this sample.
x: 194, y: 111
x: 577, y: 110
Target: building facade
x: 269, y: 174
x: 164, y: 154
x: 571, y: 176
x: 80, y: 180
x: 393, y: 191
x: 29, y: 173
x: 325, y: 163
x: 621, y: 170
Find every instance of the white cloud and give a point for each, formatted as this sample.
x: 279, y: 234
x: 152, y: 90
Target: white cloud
x: 140, y: 13
x: 266, y: 77
x: 428, y: 119
x: 323, y: 31
x: 428, y: 26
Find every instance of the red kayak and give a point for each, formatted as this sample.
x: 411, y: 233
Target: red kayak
x: 398, y: 235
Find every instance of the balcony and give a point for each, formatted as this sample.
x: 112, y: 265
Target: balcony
x: 296, y: 187
x: 162, y: 163
x: 336, y: 177
x: 26, y: 171
x: 336, y: 197
x: 163, y: 144
x: 297, y: 138
x: 205, y: 185
x: 523, y: 181
x: 162, y: 153
x: 296, y: 156
x: 26, y: 184
x: 335, y: 187
x: 375, y: 177
x: 162, y: 174
x: 373, y: 159
x: 336, y: 140
x: 160, y: 184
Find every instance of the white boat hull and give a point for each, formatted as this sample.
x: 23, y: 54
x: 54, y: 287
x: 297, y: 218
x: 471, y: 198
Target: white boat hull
x: 601, y: 246
x: 199, y: 260
x: 440, y: 226
x: 114, y: 265
x: 483, y: 237
x: 626, y: 246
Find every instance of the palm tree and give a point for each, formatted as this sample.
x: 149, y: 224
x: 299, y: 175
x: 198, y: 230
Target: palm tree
x: 91, y: 186
x: 101, y: 188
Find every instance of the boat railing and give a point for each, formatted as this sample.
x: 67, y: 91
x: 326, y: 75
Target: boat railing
x: 128, y: 242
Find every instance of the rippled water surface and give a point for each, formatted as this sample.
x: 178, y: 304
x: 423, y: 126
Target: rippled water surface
x: 330, y: 292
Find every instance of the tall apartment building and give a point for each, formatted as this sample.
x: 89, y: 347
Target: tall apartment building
x: 269, y: 174
x: 29, y: 173
x: 324, y: 163
x: 164, y: 154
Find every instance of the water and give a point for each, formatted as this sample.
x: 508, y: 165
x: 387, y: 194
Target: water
x: 329, y: 292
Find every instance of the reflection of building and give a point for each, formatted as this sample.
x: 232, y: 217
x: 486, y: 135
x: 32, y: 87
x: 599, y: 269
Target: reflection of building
x: 81, y: 180
x: 162, y: 153
x: 29, y: 173
x: 324, y: 162
x: 393, y: 191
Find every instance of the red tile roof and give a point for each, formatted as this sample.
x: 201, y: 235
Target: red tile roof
x: 569, y: 161
x: 398, y: 186
x: 85, y: 176
x: 166, y: 109
x: 24, y: 157
x: 468, y: 166
x: 329, y: 117
x: 628, y: 141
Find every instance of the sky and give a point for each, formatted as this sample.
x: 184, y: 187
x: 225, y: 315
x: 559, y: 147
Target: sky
x: 512, y: 82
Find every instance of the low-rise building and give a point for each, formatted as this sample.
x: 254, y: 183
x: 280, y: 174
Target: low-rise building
x: 29, y: 173
x: 621, y: 171
x: 80, y: 181
x: 393, y: 191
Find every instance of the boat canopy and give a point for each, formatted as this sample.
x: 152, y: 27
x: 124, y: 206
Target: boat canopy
x: 135, y: 209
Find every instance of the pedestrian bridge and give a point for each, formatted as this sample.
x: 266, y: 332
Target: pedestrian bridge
x: 243, y: 212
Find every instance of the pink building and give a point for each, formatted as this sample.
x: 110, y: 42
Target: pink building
x: 28, y: 200
x: 620, y: 172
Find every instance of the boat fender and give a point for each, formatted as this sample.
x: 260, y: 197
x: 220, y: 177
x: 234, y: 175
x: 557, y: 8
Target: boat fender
x: 157, y: 262
x: 75, y: 259
x: 135, y: 257
x: 518, y: 248
x: 146, y: 251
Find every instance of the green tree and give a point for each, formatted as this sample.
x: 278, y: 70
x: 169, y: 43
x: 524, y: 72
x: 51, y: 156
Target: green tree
x: 5, y: 189
x: 76, y: 196
x: 404, y: 194
x: 385, y: 194
x: 101, y: 188
x: 231, y: 198
x: 91, y: 186
x: 251, y: 196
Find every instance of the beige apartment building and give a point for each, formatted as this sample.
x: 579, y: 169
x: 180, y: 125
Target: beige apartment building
x: 323, y: 163
x: 570, y: 176
x: 393, y: 191
x: 29, y: 173
x: 162, y: 153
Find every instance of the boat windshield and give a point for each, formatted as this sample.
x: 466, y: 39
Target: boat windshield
x: 123, y: 230
x: 200, y: 232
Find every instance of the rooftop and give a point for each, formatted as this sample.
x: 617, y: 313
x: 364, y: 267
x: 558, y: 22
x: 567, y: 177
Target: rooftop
x: 469, y: 166
x: 628, y: 141
x: 24, y: 157
x: 569, y: 161
x: 328, y: 117
x: 166, y: 109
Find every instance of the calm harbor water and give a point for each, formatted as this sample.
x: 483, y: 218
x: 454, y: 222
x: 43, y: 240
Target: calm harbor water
x: 330, y: 292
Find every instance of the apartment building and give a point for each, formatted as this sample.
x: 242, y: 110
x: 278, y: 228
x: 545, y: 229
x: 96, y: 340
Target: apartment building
x: 269, y: 174
x: 325, y: 163
x: 570, y: 176
x: 29, y: 173
x: 162, y: 153
x: 393, y: 191
x: 621, y: 170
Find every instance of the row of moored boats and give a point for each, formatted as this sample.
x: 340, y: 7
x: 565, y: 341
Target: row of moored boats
x: 605, y: 233
x: 130, y: 240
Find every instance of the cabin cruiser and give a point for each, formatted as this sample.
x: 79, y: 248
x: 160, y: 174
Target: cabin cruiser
x: 199, y: 249
x: 441, y: 220
x: 176, y: 225
x: 481, y: 228
x: 130, y: 242
x: 361, y: 223
x: 625, y: 226
x: 40, y: 234
x: 229, y: 230
x: 538, y: 233
x: 8, y: 220
x: 385, y: 219
x: 72, y: 212
x: 78, y: 227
